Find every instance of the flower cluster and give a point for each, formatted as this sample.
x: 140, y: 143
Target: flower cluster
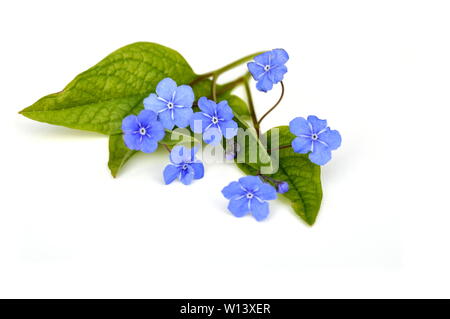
x: 171, y: 106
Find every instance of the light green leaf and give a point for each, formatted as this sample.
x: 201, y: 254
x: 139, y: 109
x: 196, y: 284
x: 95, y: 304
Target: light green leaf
x: 303, y: 176
x: 119, y: 154
x: 99, y: 98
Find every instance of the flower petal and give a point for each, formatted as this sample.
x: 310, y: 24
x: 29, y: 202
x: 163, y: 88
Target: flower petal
x: 184, y: 96
x: 228, y: 128
x: 199, y: 122
x: 180, y: 154
x: 187, y: 175
x: 317, y: 124
x: 279, y: 57
x: 299, y: 126
x: 276, y: 74
x: 321, y: 154
x: 234, y: 189
x: 156, y: 131
x: 332, y: 138
x: 212, y: 136
x: 199, y: 170
x: 166, y: 88
x: 224, y: 111
x: 148, y: 145
x: 239, y: 207
x: 302, y: 145
x: 130, y: 124
x: 266, y: 192
x: 153, y: 103
x: 256, y: 70
x: 171, y: 172
x: 260, y: 210
x: 250, y: 183
x: 207, y: 106
x: 145, y: 117
x: 132, y: 141
x: 264, y: 84
x: 264, y: 58
x: 165, y: 118
x: 182, y: 116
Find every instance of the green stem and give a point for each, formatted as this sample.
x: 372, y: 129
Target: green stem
x: 251, y: 107
x: 276, y: 104
x: 226, y: 67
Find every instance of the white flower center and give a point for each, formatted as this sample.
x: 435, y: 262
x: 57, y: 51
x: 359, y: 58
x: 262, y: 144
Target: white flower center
x: 266, y: 68
x: 142, y: 131
x: 170, y: 105
x: 315, y: 137
x: 185, y: 166
x: 215, y: 120
x: 249, y: 195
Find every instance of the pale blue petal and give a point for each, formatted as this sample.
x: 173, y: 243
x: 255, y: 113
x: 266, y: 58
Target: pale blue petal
x: 229, y: 128
x: 212, y: 136
x: 256, y: 70
x: 232, y: 190
x: 264, y: 84
x: 317, y: 124
x: 260, y: 210
x: 145, y: 117
x: 130, y: 124
x: 165, y: 118
x: 187, y: 175
x: 207, y: 106
x: 148, y: 145
x: 250, y: 183
x: 166, y: 88
x: 180, y: 154
x: 276, y: 74
x: 264, y: 58
x: 153, y: 103
x: 171, y: 172
x: 199, y: 122
x: 239, y: 207
x: 332, y: 138
x: 279, y: 57
x: 182, y: 116
x: 184, y: 96
x: 199, y: 170
x: 302, y: 145
x: 321, y: 154
x: 300, y: 126
x: 132, y: 141
x: 156, y: 131
x: 224, y: 111
x: 266, y: 192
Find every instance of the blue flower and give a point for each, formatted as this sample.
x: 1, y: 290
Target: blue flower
x: 282, y: 187
x: 142, y: 132
x: 314, y: 136
x: 172, y: 104
x: 214, y: 121
x: 249, y: 195
x: 268, y: 68
x: 184, y: 166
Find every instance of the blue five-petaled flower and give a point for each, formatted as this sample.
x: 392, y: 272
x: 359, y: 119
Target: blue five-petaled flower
x: 214, y: 121
x: 172, y: 104
x: 268, y: 68
x: 314, y: 136
x: 184, y: 166
x: 249, y: 195
x: 142, y: 132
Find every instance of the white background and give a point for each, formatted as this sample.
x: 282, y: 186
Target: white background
x: 379, y: 71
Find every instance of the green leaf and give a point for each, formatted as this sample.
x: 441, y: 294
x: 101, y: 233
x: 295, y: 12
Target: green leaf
x: 119, y: 154
x: 99, y: 98
x: 303, y: 176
